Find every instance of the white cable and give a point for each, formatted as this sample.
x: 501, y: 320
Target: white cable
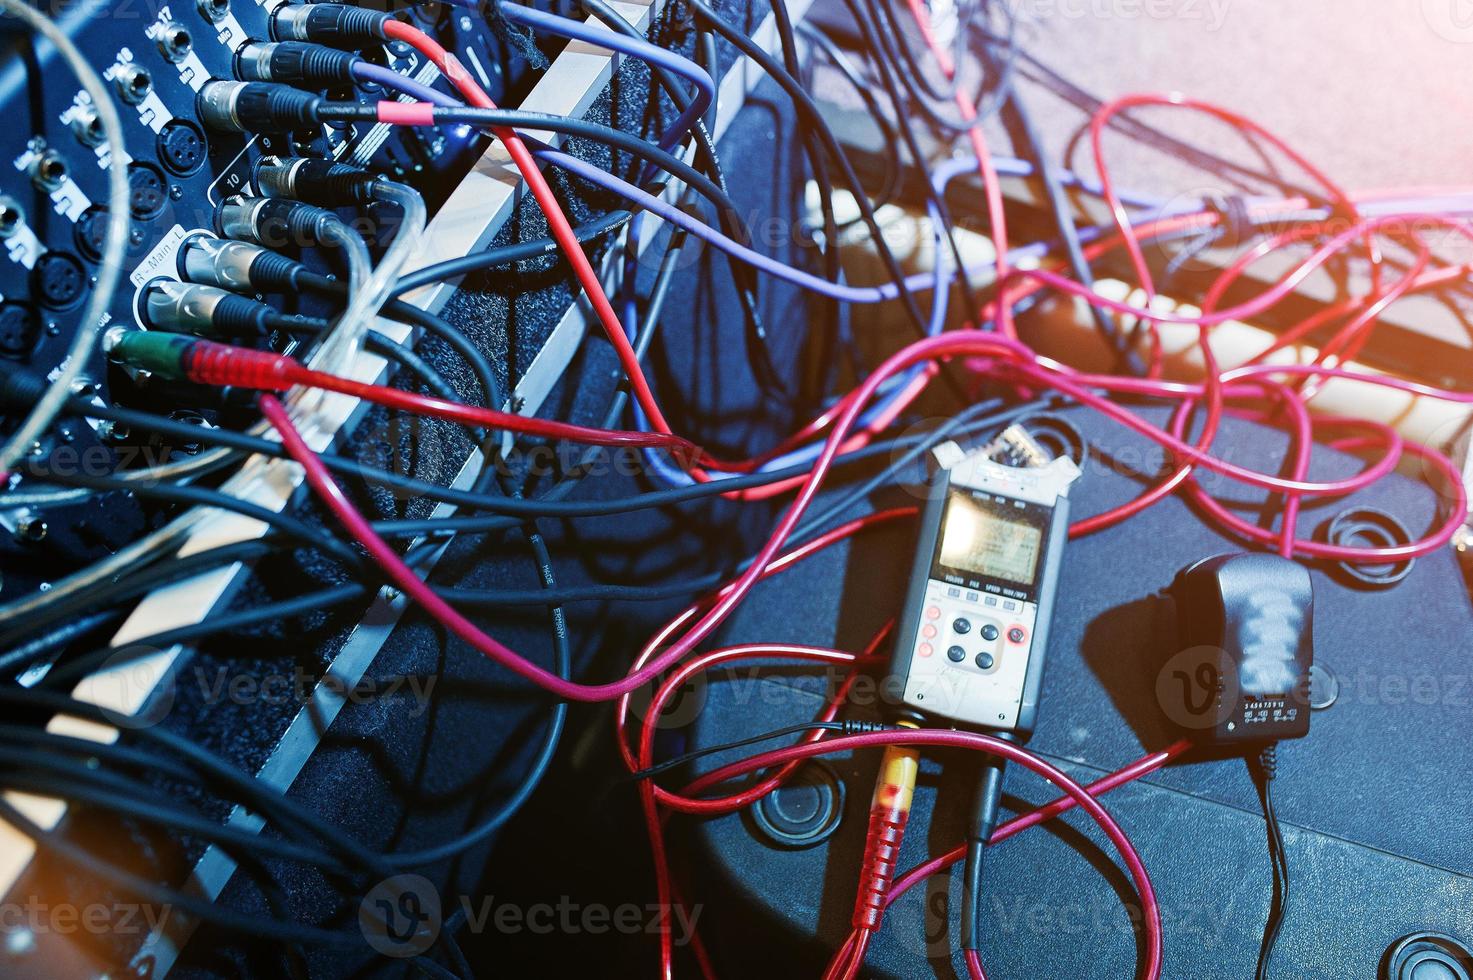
x: 114, y: 242
x: 367, y: 294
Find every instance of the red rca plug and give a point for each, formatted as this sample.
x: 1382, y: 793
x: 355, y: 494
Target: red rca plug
x: 888, y: 814
x: 178, y: 357
x: 182, y: 358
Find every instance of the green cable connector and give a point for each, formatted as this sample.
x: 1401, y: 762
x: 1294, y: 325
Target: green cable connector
x: 154, y: 351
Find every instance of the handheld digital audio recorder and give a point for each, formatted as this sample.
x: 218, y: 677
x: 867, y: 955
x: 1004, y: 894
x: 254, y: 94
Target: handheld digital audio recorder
x: 972, y: 636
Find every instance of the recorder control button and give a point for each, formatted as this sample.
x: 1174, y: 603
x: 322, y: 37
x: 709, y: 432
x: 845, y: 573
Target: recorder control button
x: 956, y: 654
x: 1016, y: 635
x: 962, y: 626
x: 989, y: 632
x: 984, y: 660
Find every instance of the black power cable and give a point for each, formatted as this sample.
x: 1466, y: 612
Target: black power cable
x: 894, y: 180
x: 819, y: 167
x: 904, y: 453
x: 1263, y: 769
x: 592, y: 230
x: 844, y: 727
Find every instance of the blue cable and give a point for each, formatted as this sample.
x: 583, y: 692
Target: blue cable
x: 643, y: 50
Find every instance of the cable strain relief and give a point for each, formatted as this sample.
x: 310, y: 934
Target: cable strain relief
x: 282, y: 222
x: 271, y: 270
x: 221, y: 364
x: 305, y: 62
x: 881, y: 859
x: 854, y: 726
x: 1268, y: 760
x: 331, y: 184
x: 336, y: 24
x: 267, y: 105
x: 240, y: 316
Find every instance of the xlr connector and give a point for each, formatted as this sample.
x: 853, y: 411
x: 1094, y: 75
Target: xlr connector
x: 294, y: 63
x: 273, y: 222
x: 207, y: 311
x: 336, y: 24
x: 321, y: 182
x: 237, y: 266
x: 245, y: 107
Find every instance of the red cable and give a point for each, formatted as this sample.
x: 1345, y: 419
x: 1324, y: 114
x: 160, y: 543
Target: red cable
x: 1141, y: 767
x: 750, y: 795
x: 211, y: 363
x: 958, y: 343
x: 652, y: 795
x: 984, y: 743
x: 1242, y: 311
x: 557, y: 221
x: 1122, y: 217
x: 631, y: 755
x: 992, y: 187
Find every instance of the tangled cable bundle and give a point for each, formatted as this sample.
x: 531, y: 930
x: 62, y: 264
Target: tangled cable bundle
x: 983, y: 349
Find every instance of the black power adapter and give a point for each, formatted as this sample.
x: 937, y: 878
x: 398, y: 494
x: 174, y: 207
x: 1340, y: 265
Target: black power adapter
x: 1244, y: 628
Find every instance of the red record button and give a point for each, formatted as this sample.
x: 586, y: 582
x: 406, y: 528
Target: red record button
x: 1016, y: 634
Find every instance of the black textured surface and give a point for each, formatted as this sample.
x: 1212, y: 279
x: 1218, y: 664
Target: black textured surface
x: 403, y: 778
x: 404, y: 773
x: 1367, y: 799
